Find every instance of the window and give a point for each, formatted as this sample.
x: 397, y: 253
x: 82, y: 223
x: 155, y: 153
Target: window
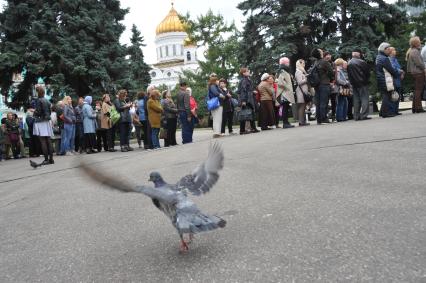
x: 161, y: 52
x: 167, y: 51
x: 174, y: 50
x: 181, y: 50
x: 169, y: 74
x: 188, y: 56
x: 153, y: 74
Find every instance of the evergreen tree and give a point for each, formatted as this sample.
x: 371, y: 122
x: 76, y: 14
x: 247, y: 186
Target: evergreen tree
x: 73, y: 44
x: 139, y: 70
x: 294, y: 27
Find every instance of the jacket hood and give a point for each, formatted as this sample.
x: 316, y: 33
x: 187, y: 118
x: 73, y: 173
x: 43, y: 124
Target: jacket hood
x: 88, y: 99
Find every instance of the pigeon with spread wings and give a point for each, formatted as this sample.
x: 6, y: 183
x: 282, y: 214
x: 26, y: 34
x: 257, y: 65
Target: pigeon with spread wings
x: 172, y: 199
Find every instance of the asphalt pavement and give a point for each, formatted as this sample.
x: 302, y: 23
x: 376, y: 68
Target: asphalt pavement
x: 343, y: 202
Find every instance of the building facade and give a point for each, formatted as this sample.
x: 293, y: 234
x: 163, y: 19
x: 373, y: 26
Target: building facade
x: 175, y: 52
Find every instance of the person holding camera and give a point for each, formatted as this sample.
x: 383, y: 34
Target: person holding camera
x: 123, y: 104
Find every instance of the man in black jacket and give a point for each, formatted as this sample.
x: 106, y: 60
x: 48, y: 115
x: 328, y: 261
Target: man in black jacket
x: 359, y: 75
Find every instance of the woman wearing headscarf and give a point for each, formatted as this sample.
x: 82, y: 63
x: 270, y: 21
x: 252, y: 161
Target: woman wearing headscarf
x: 302, y: 88
x: 267, y: 96
x: 89, y: 125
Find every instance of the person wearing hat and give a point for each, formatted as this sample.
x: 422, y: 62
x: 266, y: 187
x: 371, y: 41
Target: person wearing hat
x: 285, y: 92
x: 183, y: 103
x: 383, y: 63
x: 267, y: 95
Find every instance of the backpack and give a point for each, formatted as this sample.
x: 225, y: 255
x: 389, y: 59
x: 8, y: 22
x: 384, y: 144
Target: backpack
x: 313, y: 76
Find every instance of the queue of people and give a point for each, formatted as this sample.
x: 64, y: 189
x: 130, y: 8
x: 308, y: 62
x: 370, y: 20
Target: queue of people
x: 69, y: 128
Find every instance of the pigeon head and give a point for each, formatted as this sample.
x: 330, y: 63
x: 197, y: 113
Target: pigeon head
x: 156, y: 178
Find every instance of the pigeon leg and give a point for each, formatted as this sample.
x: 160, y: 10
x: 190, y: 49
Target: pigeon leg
x: 183, y: 245
x: 191, y: 238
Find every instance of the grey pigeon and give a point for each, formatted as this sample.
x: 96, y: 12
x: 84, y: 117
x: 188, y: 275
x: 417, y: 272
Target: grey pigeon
x: 172, y: 199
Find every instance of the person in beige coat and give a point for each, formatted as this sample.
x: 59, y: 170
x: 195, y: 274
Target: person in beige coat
x: 416, y: 68
x: 302, y: 88
x: 285, y: 89
x: 106, y: 123
x: 267, y: 96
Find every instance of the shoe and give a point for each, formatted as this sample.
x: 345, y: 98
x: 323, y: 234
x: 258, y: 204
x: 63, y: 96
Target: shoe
x: 45, y: 162
x: 288, y: 126
x: 129, y: 148
x: 93, y: 151
x: 388, y: 116
x: 365, y: 118
x: 265, y: 129
x: 51, y: 161
x: 222, y: 134
x: 215, y: 136
x: 124, y: 149
x: 326, y: 121
x: 303, y: 124
x: 112, y: 150
x: 89, y: 152
x: 254, y: 131
x: 420, y: 111
x: 243, y: 133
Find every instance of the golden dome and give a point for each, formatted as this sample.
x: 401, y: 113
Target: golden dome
x: 171, y: 23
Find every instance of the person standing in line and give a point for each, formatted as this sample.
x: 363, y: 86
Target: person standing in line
x: 143, y: 118
x: 397, y: 81
x: 137, y: 123
x: 101, y: 133
x: 267, y: 94
x: 214, y: 91
x: 106, y: 123
x: 89, y: 125
x: 42, y: 126
x: 323, y: 90
x: 185, y: 116
x: 122, y: 104
x: 246, y: 100
x: 170, y: 114
x: 344, y: 89
x: 12, y: 132
x: 359, y: 78
x: 301, y: 90
x: 79, y: 132
x: 154, y: 115
x: 285, y: 89
x: 423, y: 53
x: 228, y: 108
x: 194, y: 108
x: 417, y: 69
x: 34, y: 142
x: 69, y: 127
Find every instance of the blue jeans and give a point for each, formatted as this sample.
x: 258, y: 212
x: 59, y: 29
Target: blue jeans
x: 322, y: 94
x: 68, y: 137
x: 154, y: 137
x: 341, y: 108
x: 124, y: 133
x: 187, y: 127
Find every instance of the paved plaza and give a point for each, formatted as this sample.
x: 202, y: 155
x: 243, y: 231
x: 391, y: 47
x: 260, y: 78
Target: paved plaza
x: 338, y: 202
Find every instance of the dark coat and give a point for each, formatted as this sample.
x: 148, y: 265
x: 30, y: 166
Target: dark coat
x: 124, y: 111
x: 325, y: 71
x: 42, y: 111
x: 382, y: 61
x: 245, y: 92
x: 227, y: 102
x: 358, y: 72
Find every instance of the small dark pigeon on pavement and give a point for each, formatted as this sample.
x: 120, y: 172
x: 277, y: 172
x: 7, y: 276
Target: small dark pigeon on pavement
x: 172, y: 199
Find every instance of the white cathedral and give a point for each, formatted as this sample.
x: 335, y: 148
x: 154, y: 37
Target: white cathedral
x: 175, y: 52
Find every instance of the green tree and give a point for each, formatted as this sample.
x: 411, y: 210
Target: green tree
x: 294, y: 27
x: 73, y: 44
x: 139, y: 70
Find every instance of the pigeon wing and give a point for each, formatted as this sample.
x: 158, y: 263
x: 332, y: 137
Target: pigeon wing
x: 163, y: 194
x: 206, y: 175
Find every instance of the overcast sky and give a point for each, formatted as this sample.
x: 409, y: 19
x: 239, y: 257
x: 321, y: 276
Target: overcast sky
x: 148, y: 14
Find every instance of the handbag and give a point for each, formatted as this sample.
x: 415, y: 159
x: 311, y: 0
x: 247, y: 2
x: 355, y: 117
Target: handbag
x: 345, y: 91
x: 245, y: 114
x: 234, y: 102
x: 13, y: 138
x: 388, y: 80
x: 306, y: 96
x: 114, y: 115
x: 213, y: 103
x: 163, y: 134
x: 394, y: 96
x: 424, y: 93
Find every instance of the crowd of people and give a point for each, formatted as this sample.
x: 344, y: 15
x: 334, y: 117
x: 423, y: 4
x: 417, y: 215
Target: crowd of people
x: 75, y: 127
